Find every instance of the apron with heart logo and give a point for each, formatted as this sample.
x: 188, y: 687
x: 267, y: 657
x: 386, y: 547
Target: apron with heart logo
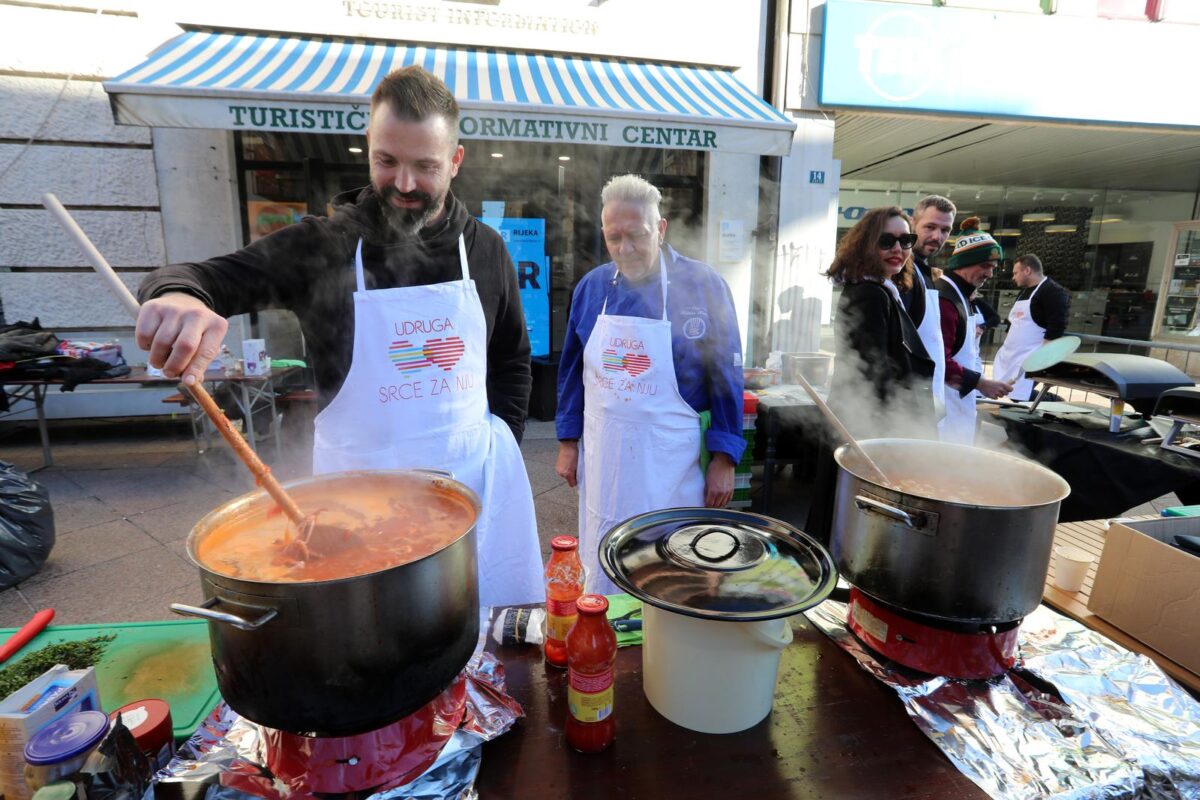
x: 1024, y: 336
x: 416, y: 396
x: 640, y: 449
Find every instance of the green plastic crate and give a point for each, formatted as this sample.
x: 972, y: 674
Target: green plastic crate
x: 169, y: 660
x: 1181, y: 511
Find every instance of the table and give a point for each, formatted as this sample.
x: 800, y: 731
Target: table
x: 834, y: 732
x: 1089, y: 536
x: 250, y: 393
x: 790, y: 426
x: 1109, y: 474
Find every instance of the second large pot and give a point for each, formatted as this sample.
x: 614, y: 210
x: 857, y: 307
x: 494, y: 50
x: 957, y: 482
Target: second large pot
x: 967, y: 536
x: 340, y: 657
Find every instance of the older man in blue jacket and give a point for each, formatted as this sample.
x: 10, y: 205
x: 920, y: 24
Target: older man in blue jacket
x: 650, y: 380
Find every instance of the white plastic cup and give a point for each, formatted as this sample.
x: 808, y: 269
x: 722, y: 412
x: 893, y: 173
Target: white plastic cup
x: 1071, y: 567
x: 254, y: 354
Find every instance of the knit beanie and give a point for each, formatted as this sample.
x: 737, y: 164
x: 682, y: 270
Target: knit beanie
x: 973, y: 246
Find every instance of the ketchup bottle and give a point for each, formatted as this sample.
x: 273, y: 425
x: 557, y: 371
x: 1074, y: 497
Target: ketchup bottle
x: 591, y: 654
x: 564, y: 584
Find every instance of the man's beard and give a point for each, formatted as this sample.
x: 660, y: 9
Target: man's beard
x: 408, y: 221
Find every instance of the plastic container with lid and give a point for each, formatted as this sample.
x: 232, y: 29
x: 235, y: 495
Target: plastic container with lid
x: 150, y: 723
x: 60, y: 749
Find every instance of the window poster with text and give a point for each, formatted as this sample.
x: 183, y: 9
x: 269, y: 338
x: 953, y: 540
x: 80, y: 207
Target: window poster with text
x: 526, y: 243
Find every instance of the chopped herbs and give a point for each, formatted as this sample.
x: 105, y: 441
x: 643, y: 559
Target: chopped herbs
x: 76, y: 655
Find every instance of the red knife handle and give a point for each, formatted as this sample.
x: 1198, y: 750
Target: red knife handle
x: 22, y: 637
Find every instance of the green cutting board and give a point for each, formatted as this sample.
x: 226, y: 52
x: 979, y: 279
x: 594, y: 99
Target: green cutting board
x: 167, y: 660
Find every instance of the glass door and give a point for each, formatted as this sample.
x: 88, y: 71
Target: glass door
x: 1177, y: 305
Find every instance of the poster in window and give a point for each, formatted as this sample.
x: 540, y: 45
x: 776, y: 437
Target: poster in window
x: 267, y: 217
x: 526, y: 243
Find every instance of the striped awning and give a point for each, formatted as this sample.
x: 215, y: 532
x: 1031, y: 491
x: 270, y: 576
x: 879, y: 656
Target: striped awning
x: 242, y: 81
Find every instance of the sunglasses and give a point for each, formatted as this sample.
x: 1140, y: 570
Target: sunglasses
x: 888, y: 240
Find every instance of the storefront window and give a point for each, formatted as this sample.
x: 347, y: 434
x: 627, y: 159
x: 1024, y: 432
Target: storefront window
x: 1181, y: 284
x: 1108, y: 247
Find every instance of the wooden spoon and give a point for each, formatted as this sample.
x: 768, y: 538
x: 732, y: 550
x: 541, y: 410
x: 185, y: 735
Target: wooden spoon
x: 844, y: 432
x: 261, y: 471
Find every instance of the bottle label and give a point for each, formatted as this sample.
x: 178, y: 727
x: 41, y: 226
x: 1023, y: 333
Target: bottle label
x: 560, y: 608
x: 558, y: 625
x: 590, y: 697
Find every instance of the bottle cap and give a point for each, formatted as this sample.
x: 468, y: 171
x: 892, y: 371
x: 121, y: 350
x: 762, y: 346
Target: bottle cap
x: 149, y: 721
x: 592, y: 604
x: 564, y: 543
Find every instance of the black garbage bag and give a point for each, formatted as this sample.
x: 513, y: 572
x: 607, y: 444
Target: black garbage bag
x: 26, y: 525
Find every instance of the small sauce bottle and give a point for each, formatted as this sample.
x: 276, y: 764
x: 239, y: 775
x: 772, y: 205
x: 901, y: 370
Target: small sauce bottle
x: 564, y: 584
x: 591, y: 655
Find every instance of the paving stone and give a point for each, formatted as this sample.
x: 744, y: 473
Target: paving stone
x: 91, y: 546
x: 80, y: 513
x: 542, y: 477
x: 173, y: 522
x: 15, y: 610
x: 140, y: 488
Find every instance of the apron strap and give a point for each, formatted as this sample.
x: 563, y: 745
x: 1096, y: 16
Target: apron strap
x: 662, y: 271
x: 1035, y: 289
x: 462, y: 258
x: 358, y: 267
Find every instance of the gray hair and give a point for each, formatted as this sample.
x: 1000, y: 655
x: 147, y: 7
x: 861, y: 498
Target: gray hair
x: 942, y: 204
x: 633, y: 189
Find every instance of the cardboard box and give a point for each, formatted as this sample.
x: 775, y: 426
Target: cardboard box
x: 58, y: 692
x: 1148, y: 588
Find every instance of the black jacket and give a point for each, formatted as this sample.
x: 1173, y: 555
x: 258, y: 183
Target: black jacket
x: 308, y: 268
x: 878, y: 342
x: 1049, y: 307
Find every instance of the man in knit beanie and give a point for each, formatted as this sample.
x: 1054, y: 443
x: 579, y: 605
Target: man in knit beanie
x: 975, y: 258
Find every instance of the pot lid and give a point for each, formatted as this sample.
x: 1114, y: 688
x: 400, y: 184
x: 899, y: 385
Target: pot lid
x: 718, y: 564
x: 66, y: 738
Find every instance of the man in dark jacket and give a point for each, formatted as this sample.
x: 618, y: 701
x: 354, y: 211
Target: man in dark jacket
x: 413, y: 320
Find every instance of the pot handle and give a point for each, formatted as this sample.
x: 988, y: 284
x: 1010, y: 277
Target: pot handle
x: 915, y: 521
x: 438, y: 473
x: 761, y: 632
x: 204, y: 611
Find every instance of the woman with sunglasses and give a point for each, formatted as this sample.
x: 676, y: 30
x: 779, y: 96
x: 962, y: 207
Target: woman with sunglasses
x: 881, y: 371
x: 879, y: 353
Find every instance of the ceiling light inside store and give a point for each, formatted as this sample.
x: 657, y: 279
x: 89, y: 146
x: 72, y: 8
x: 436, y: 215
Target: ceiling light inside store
x: 497, y: 155
x: 1041, y: 216
x: 1066, y: 196
x: 564, y: 158
x: 355, y: 150
x: 1007, y: 232
x: 1037, y: 195
x: 979, y: 194
x: 1108, y: 219
x: 1060, y: 229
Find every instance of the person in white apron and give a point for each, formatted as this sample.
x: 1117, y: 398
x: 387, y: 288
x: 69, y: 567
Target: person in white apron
x: 933, y: 219
x: 640, y: 450
x: 1025, y: 333
x: 974, y: 260
x: 415, y: 396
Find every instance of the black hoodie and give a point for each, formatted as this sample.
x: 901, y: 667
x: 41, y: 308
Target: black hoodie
x: 308, y: 268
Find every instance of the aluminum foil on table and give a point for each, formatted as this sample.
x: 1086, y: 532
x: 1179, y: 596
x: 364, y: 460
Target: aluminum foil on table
x: 1079, y: 717
x: 225, y: 751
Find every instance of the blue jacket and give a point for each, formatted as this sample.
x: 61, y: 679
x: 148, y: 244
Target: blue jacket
x: 704, y: 340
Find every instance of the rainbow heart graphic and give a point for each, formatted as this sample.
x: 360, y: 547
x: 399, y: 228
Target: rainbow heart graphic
x: 406, y: 356
x: 444, y: 353
x: 635, y: 363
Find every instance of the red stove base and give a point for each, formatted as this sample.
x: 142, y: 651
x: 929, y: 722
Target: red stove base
x: 953, y: 654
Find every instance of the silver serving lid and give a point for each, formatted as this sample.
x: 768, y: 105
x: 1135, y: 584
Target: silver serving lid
x: 718, y: 564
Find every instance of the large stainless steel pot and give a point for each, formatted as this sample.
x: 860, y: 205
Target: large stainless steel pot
x: 981, y: 562
x: 339, y: 657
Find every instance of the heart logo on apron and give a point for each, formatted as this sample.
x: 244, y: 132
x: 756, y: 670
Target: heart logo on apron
x: 406, y: 357
x: 636, y: 364
x: 444, y: 353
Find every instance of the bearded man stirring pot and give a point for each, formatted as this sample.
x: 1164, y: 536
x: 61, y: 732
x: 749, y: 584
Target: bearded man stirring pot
x: 413, y: 320
x: 650, y: 377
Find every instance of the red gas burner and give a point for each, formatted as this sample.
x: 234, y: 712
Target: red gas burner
x: 933, y: 646
x: 347, y: 765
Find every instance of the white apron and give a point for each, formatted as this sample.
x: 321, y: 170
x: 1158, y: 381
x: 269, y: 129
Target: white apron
x: 640, y: 449
x: 1024, y: 336
x: 959, y: 423
x: 930, y: 333
x: 416, y: 396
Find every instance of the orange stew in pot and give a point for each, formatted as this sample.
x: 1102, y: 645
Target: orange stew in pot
x: 354, y: 529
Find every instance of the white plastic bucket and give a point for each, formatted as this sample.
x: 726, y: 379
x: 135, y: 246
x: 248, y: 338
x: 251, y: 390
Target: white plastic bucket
x: 711, y: 676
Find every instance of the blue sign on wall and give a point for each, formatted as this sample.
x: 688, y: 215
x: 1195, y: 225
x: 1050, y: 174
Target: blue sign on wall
x: 816, y: 176
x: 526, y: 243
x: 984, y: 63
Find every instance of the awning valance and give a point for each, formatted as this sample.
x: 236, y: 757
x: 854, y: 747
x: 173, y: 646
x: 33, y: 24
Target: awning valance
x: 241, y: 81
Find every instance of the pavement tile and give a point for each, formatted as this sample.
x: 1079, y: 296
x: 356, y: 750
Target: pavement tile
x: 562, y: 495
x: 81, y: 513
x: 142, y: 488
x: 91, y: 546
x: 174, y: 522
x: 543, y: 451
x: 59, y: 484
x: 133, y: 587
x: 15, y: 610
x: 555, y: 520
x: 542, y: 477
